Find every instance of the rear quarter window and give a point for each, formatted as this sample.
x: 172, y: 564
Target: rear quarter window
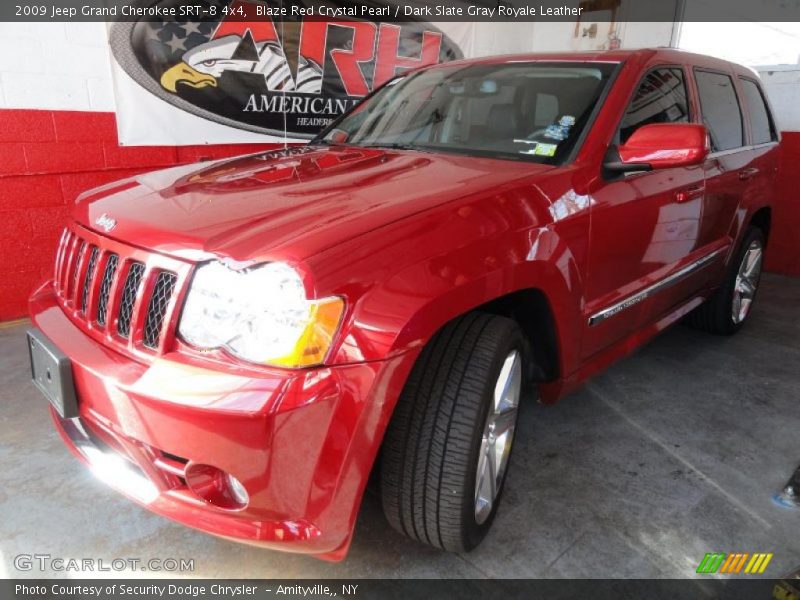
x: 761, y: 125
x: 720, y: 109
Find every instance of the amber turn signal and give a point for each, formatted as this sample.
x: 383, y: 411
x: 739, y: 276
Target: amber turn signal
x: 313, y: 344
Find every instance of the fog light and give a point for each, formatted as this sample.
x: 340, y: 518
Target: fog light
x: 237, y: 489
x: 216, y: 487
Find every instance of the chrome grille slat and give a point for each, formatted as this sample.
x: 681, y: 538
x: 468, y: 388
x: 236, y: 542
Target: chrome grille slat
x: 129, y: 293
x: 76, y: 267
x: 157, y: 308
x: 105, y: 287
x: 88, y: 278
x: 66, y: 262
x: 62, y: 250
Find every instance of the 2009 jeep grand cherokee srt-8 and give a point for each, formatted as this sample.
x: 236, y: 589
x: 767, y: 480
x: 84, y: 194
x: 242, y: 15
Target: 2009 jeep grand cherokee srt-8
x: 232, y: 344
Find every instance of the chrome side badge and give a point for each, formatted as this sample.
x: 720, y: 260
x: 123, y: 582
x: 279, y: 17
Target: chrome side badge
x: 105, y: 222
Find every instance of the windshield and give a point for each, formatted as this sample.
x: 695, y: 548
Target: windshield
x: 522, y: 110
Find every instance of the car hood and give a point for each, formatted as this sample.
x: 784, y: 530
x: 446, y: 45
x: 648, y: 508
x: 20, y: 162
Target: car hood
x: 287, y: 204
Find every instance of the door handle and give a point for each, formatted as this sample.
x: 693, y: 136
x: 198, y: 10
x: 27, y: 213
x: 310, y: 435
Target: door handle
x: 746, y: 174
x: 689, y: 193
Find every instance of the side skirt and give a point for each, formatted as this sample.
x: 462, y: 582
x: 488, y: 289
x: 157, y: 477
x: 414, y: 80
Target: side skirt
x: 553, y: 391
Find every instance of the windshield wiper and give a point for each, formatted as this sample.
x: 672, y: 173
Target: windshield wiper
x: 393, y: 146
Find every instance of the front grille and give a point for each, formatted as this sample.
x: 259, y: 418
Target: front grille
x: 157, y: 309
x: 121, y: 294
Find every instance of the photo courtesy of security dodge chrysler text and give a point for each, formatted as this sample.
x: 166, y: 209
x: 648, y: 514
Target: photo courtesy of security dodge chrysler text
x: 237, y: 345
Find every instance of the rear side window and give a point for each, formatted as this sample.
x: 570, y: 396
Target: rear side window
x: 760, y: 123
x: 720, y: 107
x: 660, y: 98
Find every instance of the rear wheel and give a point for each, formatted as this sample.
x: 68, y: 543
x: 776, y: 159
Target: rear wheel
x: 727, y: 310
x: 447, y: 448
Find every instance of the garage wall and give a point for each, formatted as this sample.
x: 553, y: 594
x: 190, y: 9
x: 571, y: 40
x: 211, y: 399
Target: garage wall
x: 58, y: 137
x: 782, y: 84
x: 783, y: 253
x: 564, y: 36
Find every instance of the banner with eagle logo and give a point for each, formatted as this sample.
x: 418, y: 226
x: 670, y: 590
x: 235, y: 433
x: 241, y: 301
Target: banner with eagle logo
x: 232, y: 80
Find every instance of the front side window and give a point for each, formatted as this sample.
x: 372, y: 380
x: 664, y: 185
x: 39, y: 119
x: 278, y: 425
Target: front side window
x: 760, y: 123
x: 660, y: 98
x: 525, y: 111
x: 720, y: 107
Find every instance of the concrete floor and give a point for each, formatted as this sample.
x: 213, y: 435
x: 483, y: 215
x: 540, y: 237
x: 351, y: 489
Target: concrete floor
x: 670, y: 454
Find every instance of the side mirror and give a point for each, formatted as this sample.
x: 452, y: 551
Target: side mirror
x: 662, y: 146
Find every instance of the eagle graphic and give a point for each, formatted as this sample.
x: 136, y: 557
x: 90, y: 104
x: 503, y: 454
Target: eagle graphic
x: 203, y: 65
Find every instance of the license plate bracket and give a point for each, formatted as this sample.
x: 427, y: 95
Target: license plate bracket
x: 51, y: 372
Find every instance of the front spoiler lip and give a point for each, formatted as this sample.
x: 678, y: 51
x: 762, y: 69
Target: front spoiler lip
x: 107, y: 465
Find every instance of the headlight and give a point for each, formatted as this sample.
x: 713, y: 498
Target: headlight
x: 259, y: 314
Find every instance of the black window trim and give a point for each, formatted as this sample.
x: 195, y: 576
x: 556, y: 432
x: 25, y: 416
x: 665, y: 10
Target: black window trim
x: 773, y: 126
x: 745, y: 130
x: 598, y: 107
x: 615, y: 140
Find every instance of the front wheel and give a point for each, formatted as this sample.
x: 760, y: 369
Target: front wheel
x: 728, y: 309
x: 447, y: 448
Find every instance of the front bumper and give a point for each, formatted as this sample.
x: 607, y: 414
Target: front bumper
x: 301, y: 442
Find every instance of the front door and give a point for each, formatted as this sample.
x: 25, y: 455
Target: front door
x: 645, y: 226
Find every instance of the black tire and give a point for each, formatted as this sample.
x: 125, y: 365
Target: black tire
x: 715, y: 315
x: 432, y: 445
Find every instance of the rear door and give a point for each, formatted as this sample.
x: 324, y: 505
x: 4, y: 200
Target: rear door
x: 645, y: 225
x: 762, y: 166
x: 728, y: 164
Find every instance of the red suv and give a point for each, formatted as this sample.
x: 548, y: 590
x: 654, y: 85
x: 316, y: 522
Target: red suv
x: 234, y: 344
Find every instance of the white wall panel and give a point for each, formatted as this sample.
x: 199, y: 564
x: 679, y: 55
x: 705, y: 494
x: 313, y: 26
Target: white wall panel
x: 55, y: 66
x: 782, y: 84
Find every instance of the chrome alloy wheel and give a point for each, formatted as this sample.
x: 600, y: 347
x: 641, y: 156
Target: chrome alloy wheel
x: 498, y: 435
x: 744, y: 290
